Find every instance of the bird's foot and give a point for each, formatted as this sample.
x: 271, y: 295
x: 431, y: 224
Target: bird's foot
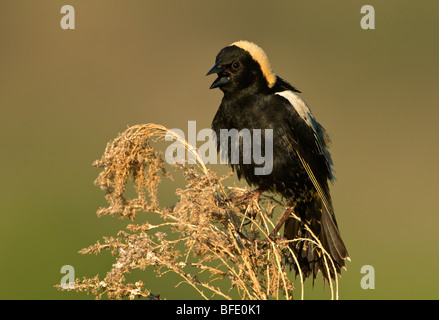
x: 250, y: 200
x: 247, y: 197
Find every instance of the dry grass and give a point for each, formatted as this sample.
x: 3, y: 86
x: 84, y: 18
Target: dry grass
x: 210, y: 239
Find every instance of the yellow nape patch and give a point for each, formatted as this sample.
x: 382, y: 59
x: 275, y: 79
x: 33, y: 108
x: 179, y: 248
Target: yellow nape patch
x: 260, y: 57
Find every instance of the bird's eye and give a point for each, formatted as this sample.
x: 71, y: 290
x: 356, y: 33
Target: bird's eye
x: 236, y: 65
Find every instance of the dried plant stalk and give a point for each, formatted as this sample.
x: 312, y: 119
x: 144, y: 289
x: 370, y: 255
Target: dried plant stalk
x: 211, y: 238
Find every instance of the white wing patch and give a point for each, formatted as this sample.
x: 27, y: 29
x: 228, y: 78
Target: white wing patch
x: 322, y: 139
x: 300, y: 106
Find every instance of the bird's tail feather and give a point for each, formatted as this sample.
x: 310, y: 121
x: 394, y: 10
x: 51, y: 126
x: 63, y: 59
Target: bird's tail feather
x: 310, y: 256
x: 320, y: 219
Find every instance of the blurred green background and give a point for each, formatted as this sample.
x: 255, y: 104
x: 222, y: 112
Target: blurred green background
x: 65, y: 93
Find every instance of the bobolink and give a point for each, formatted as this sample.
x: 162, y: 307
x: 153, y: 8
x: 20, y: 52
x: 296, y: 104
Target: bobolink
x: 255, y: 98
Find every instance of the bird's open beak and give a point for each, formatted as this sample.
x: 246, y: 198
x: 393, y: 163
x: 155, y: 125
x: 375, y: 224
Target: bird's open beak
x: 223, y: 76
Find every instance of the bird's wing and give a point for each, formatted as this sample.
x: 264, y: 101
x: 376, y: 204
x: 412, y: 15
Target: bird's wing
x: 311, y: 144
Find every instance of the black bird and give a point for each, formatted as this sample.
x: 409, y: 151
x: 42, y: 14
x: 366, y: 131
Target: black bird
x: 255, y: 98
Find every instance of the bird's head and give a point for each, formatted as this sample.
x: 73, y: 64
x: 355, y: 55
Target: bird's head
x: 242, y: 66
